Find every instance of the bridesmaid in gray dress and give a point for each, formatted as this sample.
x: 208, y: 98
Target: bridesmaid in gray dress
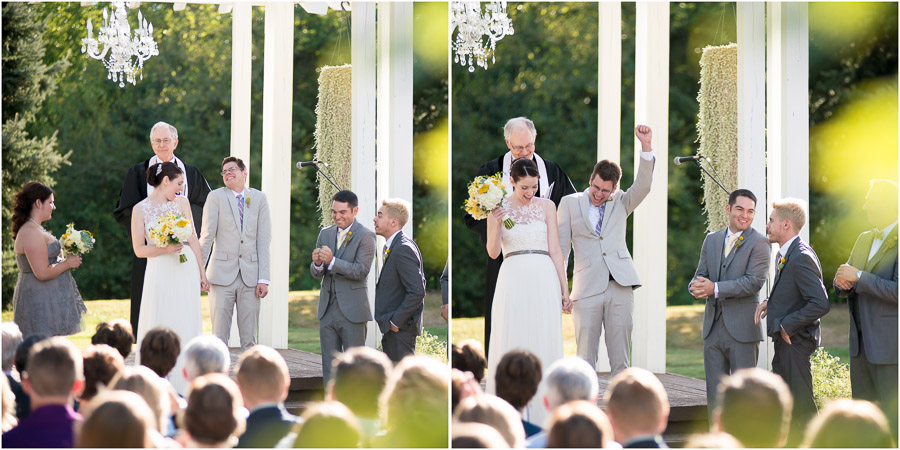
x: 46, y: 300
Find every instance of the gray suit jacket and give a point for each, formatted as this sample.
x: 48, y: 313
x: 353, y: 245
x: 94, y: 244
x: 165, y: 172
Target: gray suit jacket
x: 875, y: 297
x: 347, y: 276
x: 740, y: 278
x: 596, y: 257
x: 400, y: 292
x: 236, y: 251
x: 798, y: 298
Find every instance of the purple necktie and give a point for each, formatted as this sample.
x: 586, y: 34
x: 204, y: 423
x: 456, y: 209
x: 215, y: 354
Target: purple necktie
x: 240, y: 200
x: 602, y: 209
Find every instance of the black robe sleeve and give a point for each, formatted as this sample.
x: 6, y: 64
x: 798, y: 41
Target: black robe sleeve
x: 134, y: 189
x: 562, y: 184
x: 198, y: 190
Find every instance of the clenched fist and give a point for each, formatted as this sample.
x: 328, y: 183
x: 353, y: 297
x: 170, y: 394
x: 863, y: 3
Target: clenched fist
x: 645, y: 135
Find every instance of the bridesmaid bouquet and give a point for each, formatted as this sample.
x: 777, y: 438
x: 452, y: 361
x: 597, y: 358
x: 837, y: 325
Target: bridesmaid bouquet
x: 76, y: 242
x: 485, y: 194
x: 171, y: 229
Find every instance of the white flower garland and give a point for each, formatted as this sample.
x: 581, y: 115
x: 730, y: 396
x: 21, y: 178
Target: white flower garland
x: 717, y: 127
x: 332, y: 135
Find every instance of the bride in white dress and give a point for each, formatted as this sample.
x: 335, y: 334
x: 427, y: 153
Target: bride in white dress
x: 171, y: 296
x: 532, y: 289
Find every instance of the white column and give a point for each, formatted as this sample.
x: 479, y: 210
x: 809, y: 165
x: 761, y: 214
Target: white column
x: 395, y: 103
x: 751, y: 84
x: 362, y: 110
x: 241, y: 62
x: 651, y: 107
x: 278, y: 93
x: 609, y: 88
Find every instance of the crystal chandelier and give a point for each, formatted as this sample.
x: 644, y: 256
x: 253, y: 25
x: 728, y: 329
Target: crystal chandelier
x: 117, y: 40
x: 477, y: 34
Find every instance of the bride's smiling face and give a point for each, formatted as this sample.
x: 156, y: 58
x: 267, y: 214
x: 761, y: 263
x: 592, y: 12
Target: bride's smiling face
x: 525, y: 188
x: 173, y: 186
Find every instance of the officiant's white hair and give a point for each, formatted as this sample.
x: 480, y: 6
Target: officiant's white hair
x: 163, y: 124
x: 570, y: 379
x: 518, y: 123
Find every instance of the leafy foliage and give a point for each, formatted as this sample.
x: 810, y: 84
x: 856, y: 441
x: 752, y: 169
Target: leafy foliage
x: 430, y: 345
x: 831, y: 377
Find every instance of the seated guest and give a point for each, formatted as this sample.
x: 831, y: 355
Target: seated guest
x: 476, y: 435
x: 638, y: 409
x: 579, y: 424
x: 101, y: 364
x: 494, y: 412
x: 12, y: 337
x: 567, y: 380
x: 518, y: 376
x: 213, y: 415
x: 357, y: 380
x: 462, y: 386
x: 751, y: 400
x: 205, y: 354
x: 415, y: 403
x: 328, y: 425
x: 712, y: 440
x: 9, y: 406
x: 468, y: 355
x: 116, y: 334
x: 118, y: 419
x: 263, y: 380
x: 145, y: 383
x: 23, y: 402
x: 53, y: 380
x: 159, y: 350
x: 846, y: 423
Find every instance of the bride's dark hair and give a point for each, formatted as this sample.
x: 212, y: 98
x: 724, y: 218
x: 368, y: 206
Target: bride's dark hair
x: 157, y: 172
x: 24, y: 201
x: 523, y: 167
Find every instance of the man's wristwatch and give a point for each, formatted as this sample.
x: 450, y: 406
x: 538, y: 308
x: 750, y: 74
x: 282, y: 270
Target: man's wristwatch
x: 859, y: 274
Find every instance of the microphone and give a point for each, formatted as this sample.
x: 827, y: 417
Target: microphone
x: 682, y: 159
x: 303, y: 164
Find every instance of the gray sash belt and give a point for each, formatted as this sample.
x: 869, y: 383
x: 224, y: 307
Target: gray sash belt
x: 527, y: 252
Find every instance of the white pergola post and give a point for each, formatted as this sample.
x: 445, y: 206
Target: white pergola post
x: 278, y: 94
x: 362, y: 110
x: 651, y: 107
x: 751, y: 95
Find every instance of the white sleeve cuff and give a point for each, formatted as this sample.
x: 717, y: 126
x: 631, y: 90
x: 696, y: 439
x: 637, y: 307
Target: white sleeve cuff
x: 263, y: 281
x: 647, y: 156
x: 331, y: 264
x: 716, y: 289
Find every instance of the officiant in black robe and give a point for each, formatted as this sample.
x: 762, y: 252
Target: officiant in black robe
x: 520, y: 135
x: 163, y: 140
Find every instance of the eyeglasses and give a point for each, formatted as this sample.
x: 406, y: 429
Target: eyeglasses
x: 166, y: 141
x: 602, y: 191
x: 227, y: 171
x: 522, y: 148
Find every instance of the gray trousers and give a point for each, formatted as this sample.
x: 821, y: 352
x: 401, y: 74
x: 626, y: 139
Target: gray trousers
x: 793, y: 364
x: 336, y: 335
x: 222, y: 302
x: 399, y: 344
x: 876, y: 383
x: 723, y: 355
x: 612, y: 311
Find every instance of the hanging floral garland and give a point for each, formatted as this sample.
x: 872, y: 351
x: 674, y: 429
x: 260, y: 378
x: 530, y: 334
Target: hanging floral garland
x: 332, y: 135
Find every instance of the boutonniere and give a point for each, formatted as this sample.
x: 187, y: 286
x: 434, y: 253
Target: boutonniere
x: 387, y: 253
x: 740, y: 242
x: 247, y: 201
x: 781, y: 263
x: 890, y: 244
x: 347, y: 237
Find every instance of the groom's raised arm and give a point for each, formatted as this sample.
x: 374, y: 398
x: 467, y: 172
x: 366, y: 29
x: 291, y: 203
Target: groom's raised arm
x: 209, y: 227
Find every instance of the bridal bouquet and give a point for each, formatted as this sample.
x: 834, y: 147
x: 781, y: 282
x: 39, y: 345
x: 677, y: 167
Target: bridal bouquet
x: 171, y: 228
x: 76, y: 242
x: 485, y: 194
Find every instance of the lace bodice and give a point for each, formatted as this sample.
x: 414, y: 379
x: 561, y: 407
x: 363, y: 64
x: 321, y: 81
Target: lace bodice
x: 153, y: 210
x: 530, y: 231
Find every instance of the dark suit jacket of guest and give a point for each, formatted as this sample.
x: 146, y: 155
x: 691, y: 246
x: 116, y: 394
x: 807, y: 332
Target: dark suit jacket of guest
x: 400, y: 292
x: 647, y: 442
x: 49, y: 426
x: 798, y: 298
x: 530, y: 428
x: 266, y: 426
x: 874, y: 297
x: 23, y: 401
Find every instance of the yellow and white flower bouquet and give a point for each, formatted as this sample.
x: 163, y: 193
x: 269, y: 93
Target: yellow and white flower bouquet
x: 171, y: 229
x: 76, y: 242
x: 485, y: 194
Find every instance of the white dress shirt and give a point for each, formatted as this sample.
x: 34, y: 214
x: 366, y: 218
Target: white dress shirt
x: 728, y: 234
x: 876, y: 243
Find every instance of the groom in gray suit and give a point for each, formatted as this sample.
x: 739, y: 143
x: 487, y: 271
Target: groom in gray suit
x: 400, y: 292
x: 344, y: 297
x: 593, y: 222
x: 236, y: 218
x: 734, y: 262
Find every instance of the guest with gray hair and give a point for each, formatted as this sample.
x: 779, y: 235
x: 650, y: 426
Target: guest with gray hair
x: 12, y: 337
x: 567, y: 380
x: 205, y: 354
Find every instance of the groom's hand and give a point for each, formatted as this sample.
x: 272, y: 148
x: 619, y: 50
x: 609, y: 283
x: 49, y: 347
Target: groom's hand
x: 703, y: 288
x: 317, y: 257
x: 645, y: 135
x: 262, y: 290
x: 326, y: 254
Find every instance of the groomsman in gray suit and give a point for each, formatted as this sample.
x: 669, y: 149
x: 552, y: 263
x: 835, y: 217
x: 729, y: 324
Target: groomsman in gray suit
x: 400, y: 292
x: 236, y: 219
x: 796, y: 304
x: 734, y: 262
x: 869, y: 281
x: 593, y: 222
x: 344, y: 297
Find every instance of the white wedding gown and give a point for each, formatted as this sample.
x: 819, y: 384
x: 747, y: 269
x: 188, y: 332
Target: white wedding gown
x: 527, y: 311
x: 171, y: 295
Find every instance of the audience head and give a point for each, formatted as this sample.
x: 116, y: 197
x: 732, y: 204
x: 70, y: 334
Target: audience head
x: 468, y: 355
x: 116, y: 334
x: 358, y: 378
x: 712, y: 440
x: 328, y: 425
x: 213, y: 415
x: 24, y: 348
x: 570, y: 379
x: 205, y: 354
x: 54, y: 372
x: 33, y: 195
x: 846, y: 423
x: 101, y: 364
x: 145, y: 383
x: 12, y: 337
x: 476, y: 435
x: 415, y: 402
x: 8, y: 418
x: 392, y: 216
x: 751, y: 400
x: 262, y: 376
x: 493, y: 411
x: 787, y: 219
x: 517, y: 378
x: 881, y: 203
x: 462, y: 385
x: 160, y: 349
x: 637, y: 404
x: 118, y: 419
x: 579, y: 424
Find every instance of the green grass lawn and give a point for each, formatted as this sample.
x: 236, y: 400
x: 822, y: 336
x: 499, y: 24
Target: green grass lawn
x: 303, y: 327
x: 684, y: 346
